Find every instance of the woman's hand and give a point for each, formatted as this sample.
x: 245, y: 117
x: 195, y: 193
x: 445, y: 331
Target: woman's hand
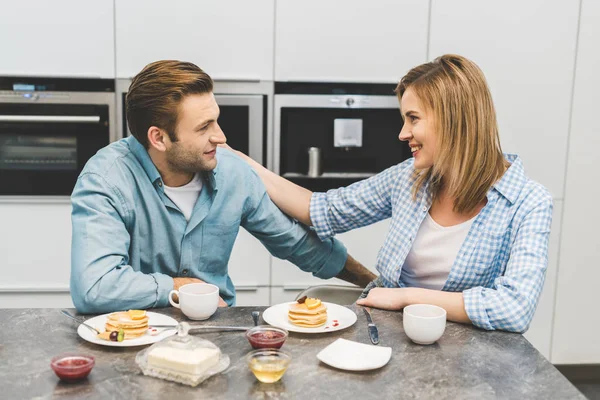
x: 398, y: 298
x: 385, y: 299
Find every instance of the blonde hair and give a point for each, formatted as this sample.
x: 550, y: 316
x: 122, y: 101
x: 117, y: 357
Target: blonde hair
x: 469, y: 159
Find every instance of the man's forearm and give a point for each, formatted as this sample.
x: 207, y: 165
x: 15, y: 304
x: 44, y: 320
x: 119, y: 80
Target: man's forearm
x: 356, y: 273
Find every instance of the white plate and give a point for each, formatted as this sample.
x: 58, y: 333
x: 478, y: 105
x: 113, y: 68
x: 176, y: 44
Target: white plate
x: 153, y: 319
x: 354, y: 356
x: 278, y: 316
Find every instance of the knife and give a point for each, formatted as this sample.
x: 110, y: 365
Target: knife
x: 373, y: 333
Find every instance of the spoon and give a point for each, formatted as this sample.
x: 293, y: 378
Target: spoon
x: 255, y: 315
x: 82, y: 322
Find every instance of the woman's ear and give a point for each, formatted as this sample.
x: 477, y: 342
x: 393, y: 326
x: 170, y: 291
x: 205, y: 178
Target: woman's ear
x: 157, y: 139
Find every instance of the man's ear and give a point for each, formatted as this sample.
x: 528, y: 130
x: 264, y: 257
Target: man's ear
x: 157, y: 138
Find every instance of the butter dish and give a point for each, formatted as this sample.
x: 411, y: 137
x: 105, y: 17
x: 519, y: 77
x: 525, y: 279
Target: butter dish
x: 182, y: 358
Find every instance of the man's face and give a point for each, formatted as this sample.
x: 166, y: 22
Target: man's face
x: 198, y: 135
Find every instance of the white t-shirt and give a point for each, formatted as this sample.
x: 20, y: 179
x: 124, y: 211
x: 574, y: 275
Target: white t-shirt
x: 433, y: 252
x: 185, y: 196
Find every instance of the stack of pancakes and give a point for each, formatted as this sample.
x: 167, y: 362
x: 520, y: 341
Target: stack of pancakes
x: 132, y: 327
x: 299, y: 314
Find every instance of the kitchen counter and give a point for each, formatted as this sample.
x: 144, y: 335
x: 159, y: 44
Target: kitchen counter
x: 466, y: 363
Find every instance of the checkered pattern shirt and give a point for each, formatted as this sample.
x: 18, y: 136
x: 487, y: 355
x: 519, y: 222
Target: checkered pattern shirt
x: 500, y: 266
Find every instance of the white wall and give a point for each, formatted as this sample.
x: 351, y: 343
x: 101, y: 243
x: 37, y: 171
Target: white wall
x: 576, y: 337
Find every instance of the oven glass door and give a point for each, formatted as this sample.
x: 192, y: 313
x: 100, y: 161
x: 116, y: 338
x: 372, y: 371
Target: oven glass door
x: 43, y: 147
x: 241, y: 120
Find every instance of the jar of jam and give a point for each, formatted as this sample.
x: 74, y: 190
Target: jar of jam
x: 266, y: 337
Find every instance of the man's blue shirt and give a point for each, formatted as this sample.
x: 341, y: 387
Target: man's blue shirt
x: 130, y: 240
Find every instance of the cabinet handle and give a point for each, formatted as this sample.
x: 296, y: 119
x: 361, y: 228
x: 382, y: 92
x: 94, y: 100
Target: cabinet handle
x: 50, y: 118
x: 34, y: 289
x: 246, y: 288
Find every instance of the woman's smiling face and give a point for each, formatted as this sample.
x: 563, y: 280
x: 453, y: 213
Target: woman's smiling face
x: 418, y: 130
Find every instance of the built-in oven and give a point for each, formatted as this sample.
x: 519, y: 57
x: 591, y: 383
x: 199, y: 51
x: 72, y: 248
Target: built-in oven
x: 49, y: 128
x: 243, y: 119
x: 328, y: 135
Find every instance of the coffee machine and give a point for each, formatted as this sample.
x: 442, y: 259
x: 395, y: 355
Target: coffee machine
x: 329, y: 135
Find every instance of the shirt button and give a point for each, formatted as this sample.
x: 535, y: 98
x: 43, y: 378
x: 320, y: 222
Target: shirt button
x: 184, y: 272
x: 424, y: 209
x: 160, y: 183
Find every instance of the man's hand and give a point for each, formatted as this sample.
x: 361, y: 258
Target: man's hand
x: 356, y: 273
x: 179, y: 282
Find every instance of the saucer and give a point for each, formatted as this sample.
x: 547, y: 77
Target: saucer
x: 354, y: 356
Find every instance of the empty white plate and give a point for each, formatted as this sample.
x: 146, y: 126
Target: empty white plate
x: 354, y: 356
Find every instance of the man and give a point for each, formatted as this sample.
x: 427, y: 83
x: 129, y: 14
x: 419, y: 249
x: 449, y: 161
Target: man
x: 162, y: 208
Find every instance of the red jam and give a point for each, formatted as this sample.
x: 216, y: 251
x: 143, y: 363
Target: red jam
x: 72, y: 367
x: 266, y: 337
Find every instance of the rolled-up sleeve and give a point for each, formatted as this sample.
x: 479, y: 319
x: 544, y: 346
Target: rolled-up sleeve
x: 511, y: 303
x: 101, y: 279
x: 288, y: 239
x: 360, y: 204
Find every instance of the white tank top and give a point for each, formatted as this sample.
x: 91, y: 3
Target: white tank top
x: 433, y: 252
x: 185, y: 196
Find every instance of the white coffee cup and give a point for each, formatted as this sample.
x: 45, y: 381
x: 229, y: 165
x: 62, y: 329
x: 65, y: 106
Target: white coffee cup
x: 424, y: 323
x: 198, y: 301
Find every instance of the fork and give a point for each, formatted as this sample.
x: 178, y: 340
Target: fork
x: 82, y: 322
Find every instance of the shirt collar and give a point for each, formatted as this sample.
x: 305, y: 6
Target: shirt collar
x: 144, y: 159
x: 513, y: 180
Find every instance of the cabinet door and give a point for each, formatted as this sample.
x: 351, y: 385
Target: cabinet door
x: 258, y: 297
x: 35, y: 243
x: 58, y: 38
x: 230, y: 39
x: 363, y: 244
x: 280, y: 295
x: 350, y: 41
x: 526, y: 49
x: 250, y: 263
x: 540, y: 330
x: 577, y: 320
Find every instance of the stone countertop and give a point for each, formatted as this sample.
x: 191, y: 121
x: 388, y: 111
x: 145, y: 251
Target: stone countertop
x: 466, y: 363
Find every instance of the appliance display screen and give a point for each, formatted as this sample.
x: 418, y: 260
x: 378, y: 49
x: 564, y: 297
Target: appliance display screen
x: 27, y: 87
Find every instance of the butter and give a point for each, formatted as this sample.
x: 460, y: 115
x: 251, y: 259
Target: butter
x: 192, y: 362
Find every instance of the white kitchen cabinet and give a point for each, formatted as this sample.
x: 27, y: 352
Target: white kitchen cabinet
x: 36, y: 299
x: 250, y: 262
x: 349, y: 41
x: 577, y: 319
x: 526, y: 49
x: 35, y: 243
x: 64, y: 38
x: 280, y: 294
x: 255, y: 297
x: 540, y: 330
x: 363, y: 244
x: 230, y: 39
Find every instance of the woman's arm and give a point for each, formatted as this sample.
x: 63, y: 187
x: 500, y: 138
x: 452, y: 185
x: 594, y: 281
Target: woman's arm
x: 398, y: 298
x: 511, y: 303
x: 339, y: 210
x: 292, y: 199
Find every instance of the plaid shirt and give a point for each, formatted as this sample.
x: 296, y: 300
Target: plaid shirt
x: 501, y: 265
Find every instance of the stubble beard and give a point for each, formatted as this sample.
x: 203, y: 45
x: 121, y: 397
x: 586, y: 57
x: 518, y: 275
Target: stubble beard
x: 185, y: 160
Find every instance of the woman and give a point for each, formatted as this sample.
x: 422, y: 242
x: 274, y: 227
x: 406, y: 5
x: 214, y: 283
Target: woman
x: 469, y: 230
